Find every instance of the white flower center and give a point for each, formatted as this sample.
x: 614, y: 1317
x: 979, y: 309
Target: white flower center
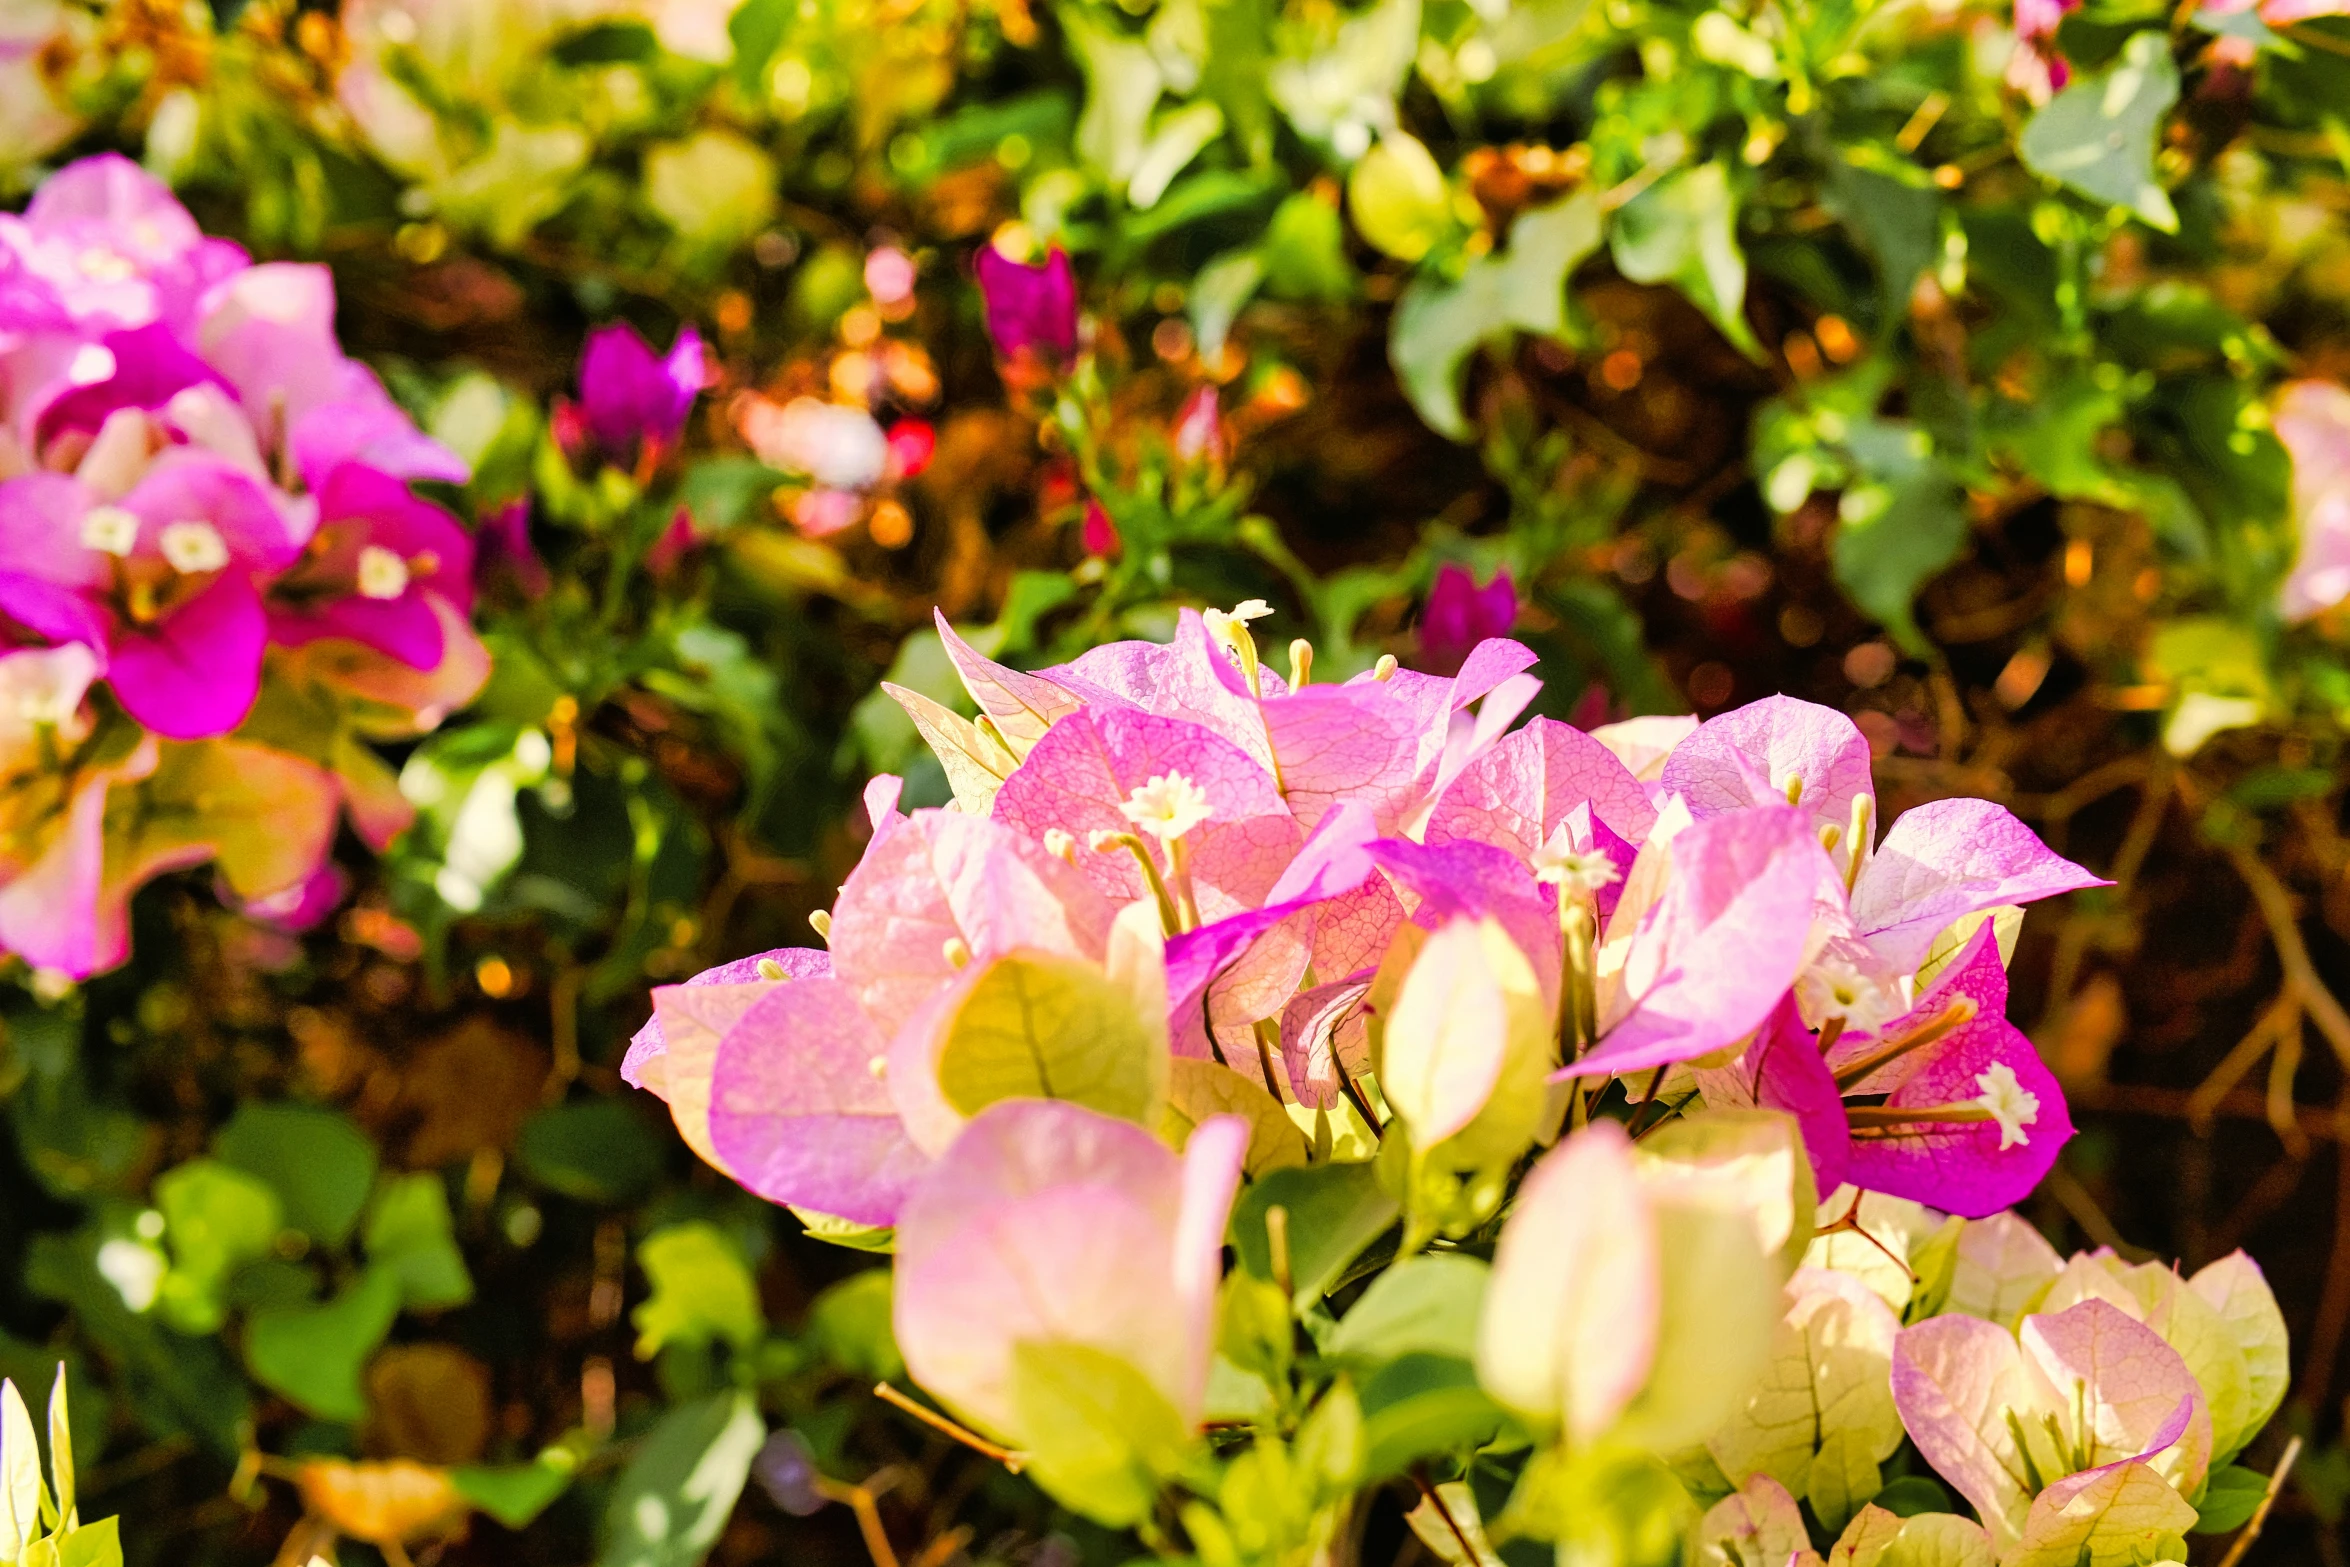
x: 92, y: 363
x: 109, y: 530
x: 2011, y: 1104
x: 1574, y: 869
x: 1835, y: 987
x: 101, y: 265
x: 382, y: 574
x: 193, y: 546
x: 1167, y: 807
x: 1225, y: 626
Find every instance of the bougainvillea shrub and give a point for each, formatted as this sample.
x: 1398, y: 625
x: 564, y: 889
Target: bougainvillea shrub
x: 220, y: 581
x: 1623, y: 1155
x: 1972, y: 373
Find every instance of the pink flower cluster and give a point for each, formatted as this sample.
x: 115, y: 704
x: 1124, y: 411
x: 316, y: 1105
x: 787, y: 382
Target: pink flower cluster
x: 1177, y: 892
x: 196, y: 485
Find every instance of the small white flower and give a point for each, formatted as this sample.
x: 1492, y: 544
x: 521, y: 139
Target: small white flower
x: 193, y: 546
x: 1836, y: 987
x: 1061, y: 844
x: 2011, y: 1104
x: 382, y: 574
x: 1167, y: 807
x: 110, y: 530
x: 1562, y: 865
x: 135, y: 1271
x: 1226, y: 625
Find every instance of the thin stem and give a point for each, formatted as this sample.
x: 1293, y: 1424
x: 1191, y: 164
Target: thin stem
x: 1957, y: 1015
x: 2284, y: 931
x: 1428, y: 1495
x: 2268, y: 1499
x: 889, y: 1395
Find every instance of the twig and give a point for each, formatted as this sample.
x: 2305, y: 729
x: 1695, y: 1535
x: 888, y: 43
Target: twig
x: 2333, y: 1301
x: 2268, y: 1499
x: 2284, y: 931
x: 860, y: 1500
x: 1428, y: 1494
x: 2178, y: 1104
x: 2238, y: 1061
x: 942, y: 1550
x: 2076, y: 1201
x: 938, y: 1422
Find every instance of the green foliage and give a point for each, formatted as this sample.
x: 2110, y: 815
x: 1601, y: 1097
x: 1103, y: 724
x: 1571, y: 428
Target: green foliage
x: 677, y: 1492
x: 702, y: 1293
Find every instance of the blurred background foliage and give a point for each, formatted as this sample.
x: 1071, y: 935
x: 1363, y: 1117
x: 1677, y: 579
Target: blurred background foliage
x: 1915, y: 357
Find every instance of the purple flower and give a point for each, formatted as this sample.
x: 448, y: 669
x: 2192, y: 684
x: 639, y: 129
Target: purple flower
x: 378, y: 561
x: 164, y: 578
x: 787, y: 1472
x: 1461, y: 614
x: 629, y: 394
x: 1030, y: 309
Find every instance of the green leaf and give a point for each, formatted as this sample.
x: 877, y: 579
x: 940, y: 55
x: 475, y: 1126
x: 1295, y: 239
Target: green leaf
x: 1218, y: 294
x: 701, y: 1291
x: 1398, y: 197
x: 513, y: 1494
x: 1418, y: 1406
x: 1097, y: 1434
x: 1900, y: 524
x: 2098, y: 135
x: 92, y: 1545
x: 1911, y: 1495
x: 408, y: 1231
x: 215, y: 1219
x: 177, y: 1384
x: 318, y: 1160
x: 1683, y: 230
x: 676, y: 1494
x: 1898, y: 216
x: 312, y: 1354
x: 720, y: 491
x: 1034, y: 1025
x: 834, y: 1230
x: 850, y: 1324
x: 1426, y: 1304
x: 2229, y: 1499
x: 1335, y: 1210
x: 1304, y: 251
x: 596, y: 1150
x: 1437, y: 325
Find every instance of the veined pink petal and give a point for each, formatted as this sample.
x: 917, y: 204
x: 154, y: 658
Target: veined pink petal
x: 1644, y: 744
x: 1023, y: 706
x: 1085, y: 768
x: 1477, y: 879
x: 1518, y: 792
x: 1050, y: 1223
x: 1324, y: 1033
x: 1948, y: 859
x: 2116, y: 1390
x: 648, y: 1044
x: 1773, y: 743
x: 1759, y: 1522
x: 1720, y: 948
x: 1955, y: 1380
x: 797, y: 1113
x: 1345, y: 744
x: 1188, y: 678
x: 941, y: 876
